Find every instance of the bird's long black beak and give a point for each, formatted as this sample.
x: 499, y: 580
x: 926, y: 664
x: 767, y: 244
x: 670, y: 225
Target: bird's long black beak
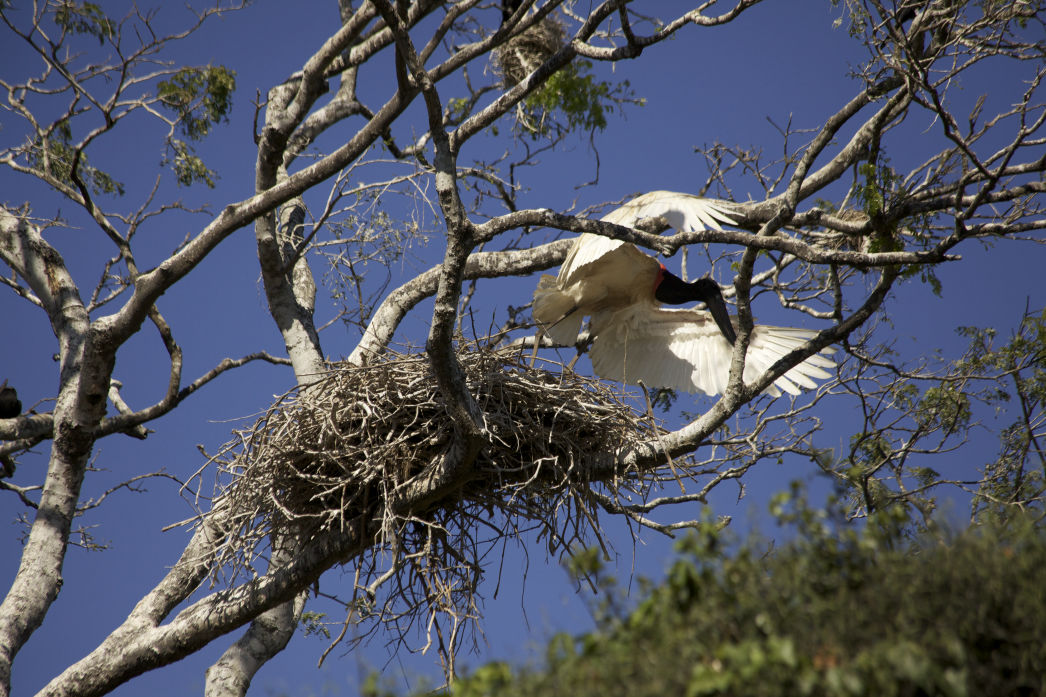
x: 712, y: 297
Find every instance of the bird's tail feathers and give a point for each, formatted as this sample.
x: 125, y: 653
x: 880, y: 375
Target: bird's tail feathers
x: 556, y: 312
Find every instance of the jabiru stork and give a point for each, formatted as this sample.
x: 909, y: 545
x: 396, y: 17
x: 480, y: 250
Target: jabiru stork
x: 634, y: 338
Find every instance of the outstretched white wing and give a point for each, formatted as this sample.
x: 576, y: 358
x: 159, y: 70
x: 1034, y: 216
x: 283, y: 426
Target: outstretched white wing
x: 684, y: 212
x: 684, y: 350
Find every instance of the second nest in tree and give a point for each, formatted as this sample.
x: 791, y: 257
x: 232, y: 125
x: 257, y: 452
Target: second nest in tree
x: 523, y: 53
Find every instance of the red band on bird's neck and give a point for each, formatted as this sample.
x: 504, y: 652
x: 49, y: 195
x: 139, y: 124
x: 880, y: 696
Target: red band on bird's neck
x: 661, y: 270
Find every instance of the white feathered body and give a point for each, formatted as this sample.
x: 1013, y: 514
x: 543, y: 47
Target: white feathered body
x: 602, y: 273
x: 622, y: 277
x: 635, y: 338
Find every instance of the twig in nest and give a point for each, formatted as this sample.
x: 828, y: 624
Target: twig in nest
x: 524, y: 53
x: 344, y: 451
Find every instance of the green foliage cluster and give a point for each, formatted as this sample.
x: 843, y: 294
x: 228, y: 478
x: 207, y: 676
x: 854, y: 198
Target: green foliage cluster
x: 575, y: 94
x: 55, y: 155
x: 84, y: 18
x: 187, y: 166
x: 200, y: 98
x: 1017, y: 475
x: 840, y: 611
x: 885, y: 464
x: 877, y: 189
x: 312, y: 624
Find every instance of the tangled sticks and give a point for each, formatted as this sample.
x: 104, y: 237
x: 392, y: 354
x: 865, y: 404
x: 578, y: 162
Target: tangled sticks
x: 350, y: 445
x: 525, y: 52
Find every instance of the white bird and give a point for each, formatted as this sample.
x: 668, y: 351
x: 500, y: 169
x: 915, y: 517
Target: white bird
x: 635, y: 339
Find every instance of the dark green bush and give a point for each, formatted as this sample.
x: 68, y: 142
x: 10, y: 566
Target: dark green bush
x: 836, y: 612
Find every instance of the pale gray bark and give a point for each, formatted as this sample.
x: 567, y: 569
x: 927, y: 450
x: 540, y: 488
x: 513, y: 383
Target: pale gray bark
x: 291, y: 292
x: 300, y: 110
x: 268, y: 634
x: 80, y: 403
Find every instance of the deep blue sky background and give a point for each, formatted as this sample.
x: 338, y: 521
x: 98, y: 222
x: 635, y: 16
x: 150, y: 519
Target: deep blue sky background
x: 783, y: 60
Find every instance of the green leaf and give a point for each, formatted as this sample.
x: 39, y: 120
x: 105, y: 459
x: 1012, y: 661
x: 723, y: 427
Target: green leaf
x: 54, y: 154
x: 312, y: 624
x: 187, y: 166
x: 84, y: 18
x: 200, y: 98
x: 575, y: 94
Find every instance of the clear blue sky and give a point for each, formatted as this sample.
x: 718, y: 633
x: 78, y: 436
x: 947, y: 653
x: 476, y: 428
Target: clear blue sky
x: 783, y: 60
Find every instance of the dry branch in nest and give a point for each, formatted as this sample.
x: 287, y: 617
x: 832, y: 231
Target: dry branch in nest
x: 525, y: 52
x: 351, y: 445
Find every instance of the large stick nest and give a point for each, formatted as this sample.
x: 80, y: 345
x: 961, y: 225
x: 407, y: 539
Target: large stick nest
x: 351, y: 443
x: 525, y: 52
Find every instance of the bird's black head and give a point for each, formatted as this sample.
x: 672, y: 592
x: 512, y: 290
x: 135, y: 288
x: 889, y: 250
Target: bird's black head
x: 673, y: 290
x: 10, y: 406
x: 508, y: 7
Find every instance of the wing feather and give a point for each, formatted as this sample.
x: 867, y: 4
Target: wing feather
x: 684, y: 212
x: 550, y: 309
x: 679, y: 349
x: 684, y: 350
x: 587, y: 249
x: 637, y: 340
